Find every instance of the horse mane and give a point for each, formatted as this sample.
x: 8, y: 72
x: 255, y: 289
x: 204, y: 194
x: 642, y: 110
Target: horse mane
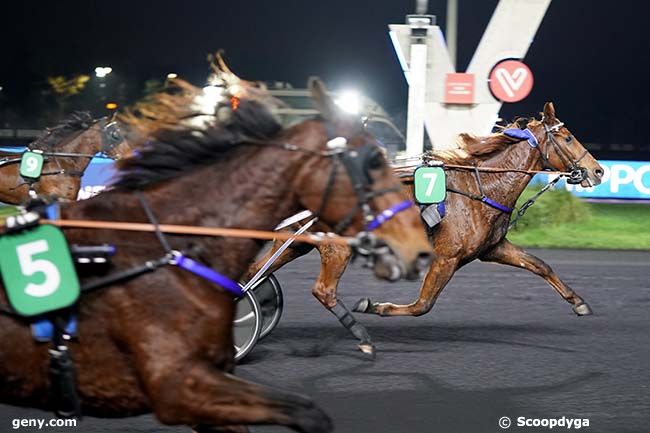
x: 178, y: 133
x: 473, y: 149
x: 77, y: 121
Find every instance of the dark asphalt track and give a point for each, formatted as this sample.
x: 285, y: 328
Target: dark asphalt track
x: 499, y: 342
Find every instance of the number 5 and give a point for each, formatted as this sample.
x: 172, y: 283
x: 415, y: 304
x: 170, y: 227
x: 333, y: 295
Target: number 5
x: 432, y: 181
x: 30, y: 267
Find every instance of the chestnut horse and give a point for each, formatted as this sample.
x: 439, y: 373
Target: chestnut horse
x: 70, y: 146
x: 163, y: 342
x: 471, y: 229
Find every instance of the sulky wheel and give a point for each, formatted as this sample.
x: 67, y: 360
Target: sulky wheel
x: 247, y: 324
x: 269, y: 295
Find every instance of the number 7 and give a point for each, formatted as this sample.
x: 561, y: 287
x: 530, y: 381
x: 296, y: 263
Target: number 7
x: 431, y: 177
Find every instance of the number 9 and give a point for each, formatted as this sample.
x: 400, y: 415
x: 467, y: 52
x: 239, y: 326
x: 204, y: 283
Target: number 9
x: 31, y: 163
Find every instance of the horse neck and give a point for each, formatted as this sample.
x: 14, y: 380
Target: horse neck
x: 86, y: 142
x: 507, y: 187
x: 252, y: 189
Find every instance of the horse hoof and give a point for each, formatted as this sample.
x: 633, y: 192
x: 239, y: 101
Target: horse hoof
x: 368, y: 349
x: 363, y: 305
x: 582, y: 309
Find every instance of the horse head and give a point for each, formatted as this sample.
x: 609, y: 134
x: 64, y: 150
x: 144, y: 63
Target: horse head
x: 564, y: 152
x: 355, y: 190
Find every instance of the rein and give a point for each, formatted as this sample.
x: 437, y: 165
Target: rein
x: 313, y: 238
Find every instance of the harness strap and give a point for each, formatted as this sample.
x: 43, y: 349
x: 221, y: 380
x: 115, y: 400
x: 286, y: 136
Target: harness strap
x: 482, y: 197
x: 328, y: 188
x: 488, y: 201
x: 154, y: 221
x: 7, y: 161
x: 64, y: 172
x: 128, y: 274
x: 206, y: 273
x: 478, y: 181
x: 177, y: 258
x: 388, y: 214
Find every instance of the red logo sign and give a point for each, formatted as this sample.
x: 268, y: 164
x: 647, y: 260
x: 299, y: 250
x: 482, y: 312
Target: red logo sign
x: 459, y: 89
x: 511, y: 81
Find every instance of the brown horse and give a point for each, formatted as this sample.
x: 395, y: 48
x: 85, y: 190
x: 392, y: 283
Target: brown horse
x: 472, y: 229
x: 162, y: 342
x: 70, y: 146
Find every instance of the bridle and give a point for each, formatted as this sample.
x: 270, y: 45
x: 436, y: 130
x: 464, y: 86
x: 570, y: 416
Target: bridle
x: 111, y: 137
x: 577, y: 173
x: 574, y: 173
x: 357, y: 163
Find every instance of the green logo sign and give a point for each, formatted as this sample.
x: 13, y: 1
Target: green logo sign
x: 31, y: 165
x: 430, y: 185
x: 37, y: 270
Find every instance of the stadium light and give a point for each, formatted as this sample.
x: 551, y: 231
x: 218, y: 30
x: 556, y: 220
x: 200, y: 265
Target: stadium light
x: 349, y: 101
x: 172, y: 75
x: 102, y: 71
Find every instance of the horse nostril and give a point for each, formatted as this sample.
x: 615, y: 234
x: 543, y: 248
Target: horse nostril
x: 599, y: 172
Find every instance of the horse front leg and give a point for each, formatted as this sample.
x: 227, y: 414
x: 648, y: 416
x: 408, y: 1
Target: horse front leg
x: 195, y: 393
x: 295, y: 250
x: 508, y: 254
x: 222, y: 429
x: 334, y: 261
x: 439, y: 274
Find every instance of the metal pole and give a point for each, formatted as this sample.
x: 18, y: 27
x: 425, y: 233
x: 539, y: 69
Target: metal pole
x: 452, y: 29
x: 421, y: 6
x: 416, y: 102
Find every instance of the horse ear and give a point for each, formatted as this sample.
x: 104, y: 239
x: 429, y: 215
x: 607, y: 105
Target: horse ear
x: 549, y: 113
x: 323, y: 102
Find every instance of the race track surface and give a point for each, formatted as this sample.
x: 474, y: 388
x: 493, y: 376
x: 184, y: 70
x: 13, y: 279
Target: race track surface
x: 499, y: 342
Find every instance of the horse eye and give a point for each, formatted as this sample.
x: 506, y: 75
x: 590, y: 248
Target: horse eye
x: 569, y: 139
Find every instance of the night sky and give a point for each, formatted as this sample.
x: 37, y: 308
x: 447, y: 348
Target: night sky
x: 590, y: 56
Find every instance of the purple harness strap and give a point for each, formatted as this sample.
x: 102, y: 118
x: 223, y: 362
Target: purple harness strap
x: 488, y: 201
x: 207, y: 273
x: 388, y: 214
x: 522, y: 134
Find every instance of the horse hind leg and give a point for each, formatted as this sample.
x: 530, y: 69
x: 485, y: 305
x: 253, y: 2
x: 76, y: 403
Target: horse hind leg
x: 508, y: 254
